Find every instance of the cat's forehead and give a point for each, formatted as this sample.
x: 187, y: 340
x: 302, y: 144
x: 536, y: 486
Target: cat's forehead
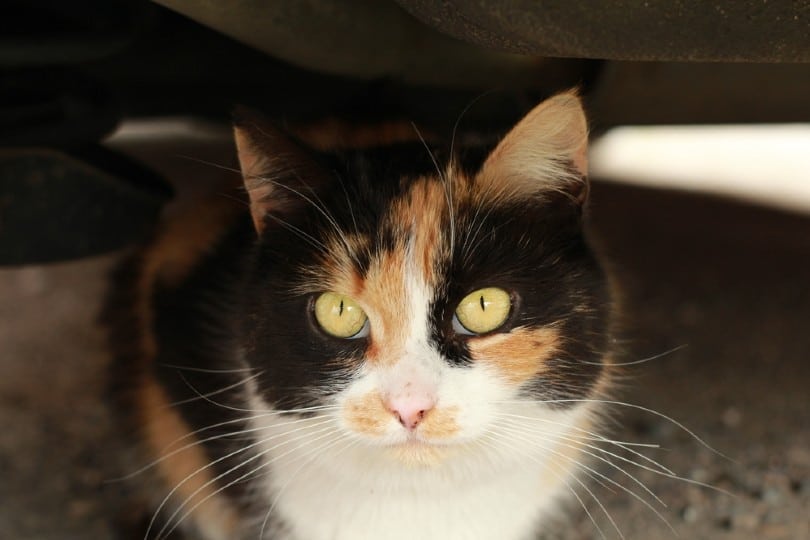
x: 406, y: 238
x: 392, y: 258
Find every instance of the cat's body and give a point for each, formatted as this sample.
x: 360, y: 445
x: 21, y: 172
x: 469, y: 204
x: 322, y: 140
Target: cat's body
x: 390, y: 344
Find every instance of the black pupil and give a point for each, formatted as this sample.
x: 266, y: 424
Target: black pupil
x: 483, y: 306
x: 341, y: 308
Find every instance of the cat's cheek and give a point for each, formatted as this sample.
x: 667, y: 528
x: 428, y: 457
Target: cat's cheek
x: 362, y: 413
x: 475, y: 394
x: 365, y: 415
x: 519, y: 356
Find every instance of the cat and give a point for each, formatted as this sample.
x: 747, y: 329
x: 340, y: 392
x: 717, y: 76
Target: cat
x: 379, y: 339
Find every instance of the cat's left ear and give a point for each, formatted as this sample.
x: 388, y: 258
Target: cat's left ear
x: 545, y: 154
x: 280, y: 175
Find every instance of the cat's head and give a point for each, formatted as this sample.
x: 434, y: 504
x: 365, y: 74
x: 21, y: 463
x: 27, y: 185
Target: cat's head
x: 424, y: 300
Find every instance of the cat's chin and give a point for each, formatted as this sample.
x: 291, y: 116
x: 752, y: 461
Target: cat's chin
x: 419, y: 452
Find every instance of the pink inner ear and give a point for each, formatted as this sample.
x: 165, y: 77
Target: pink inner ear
x: 249, y: 157
x: 259, y: 206
x: 252, y: 161
x: 270, y: 158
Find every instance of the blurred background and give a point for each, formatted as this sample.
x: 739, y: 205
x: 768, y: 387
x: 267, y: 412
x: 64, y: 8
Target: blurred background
x: 114, y: 112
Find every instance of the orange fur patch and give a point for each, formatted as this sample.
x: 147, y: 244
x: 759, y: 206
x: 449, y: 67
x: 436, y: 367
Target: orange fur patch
x: 385, y: 295
x: 166, y: 433
x: 519, y: 355
x: 339, y: 269
x: 367, y: 414
x: 423, y: 213
x: 183, y: 240
x: 187, y: 236
x: 440, y: 423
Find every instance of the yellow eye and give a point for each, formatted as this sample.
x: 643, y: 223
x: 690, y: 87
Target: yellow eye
x: 483, y: 310
x: 340, y: 316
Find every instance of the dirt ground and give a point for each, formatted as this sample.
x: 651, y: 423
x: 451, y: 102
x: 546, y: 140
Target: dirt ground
x: 725, y: 287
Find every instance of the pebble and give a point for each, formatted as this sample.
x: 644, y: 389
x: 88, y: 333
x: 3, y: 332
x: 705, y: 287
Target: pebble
x: 746, y: 521
x: 774, y: 487
x: 699, y: 474
x: 798, y: 456
x: 79, y: 508
x: 732, y: 417
x: 774, y: 532
x: 772, y: 495
x: 690, y: 513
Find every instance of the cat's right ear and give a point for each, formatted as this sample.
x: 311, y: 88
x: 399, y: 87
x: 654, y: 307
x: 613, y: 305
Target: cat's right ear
x: 544, y: 155
x: 279, y: 174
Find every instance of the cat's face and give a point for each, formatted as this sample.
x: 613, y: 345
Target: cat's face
x: 426, y: 305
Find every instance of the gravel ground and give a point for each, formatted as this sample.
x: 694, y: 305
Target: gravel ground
x: 725, y: 285
x: 728, y: 285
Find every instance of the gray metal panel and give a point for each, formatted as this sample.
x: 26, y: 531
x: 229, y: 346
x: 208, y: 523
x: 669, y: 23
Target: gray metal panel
x: 673, y: 30
x: 359, y: 38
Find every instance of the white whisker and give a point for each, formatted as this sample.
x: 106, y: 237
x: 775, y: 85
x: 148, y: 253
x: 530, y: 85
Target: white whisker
x: 620, y: 444
x: 204, y: 370
x: 611, y: 481
x: 628, y: 405
x: 573, y: 438
x: 329, y: 431
x: 576, y: 495
x: 301, y: 234
x: 637, y: 362
x: 314, y: 453
x: 219, y: 460
x: 215, y: 392
x: 516, y: 432
x: 469, y: 105
x: 210, y: 163
x: 227, y: 435
x: 321, y: 208
x: 348, y: 203
x: 448, y: 195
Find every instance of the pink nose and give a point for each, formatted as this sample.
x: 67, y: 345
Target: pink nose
x: 410, y: 409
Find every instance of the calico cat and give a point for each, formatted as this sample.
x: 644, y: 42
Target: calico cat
x: 384, y: 341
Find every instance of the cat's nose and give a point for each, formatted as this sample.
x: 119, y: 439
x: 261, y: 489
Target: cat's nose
x: 410, y: 409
